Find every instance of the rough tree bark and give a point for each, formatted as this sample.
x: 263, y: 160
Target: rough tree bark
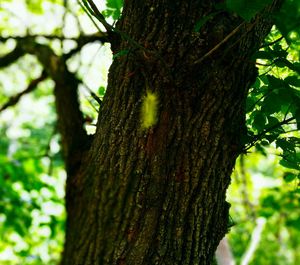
x: 157, y: 195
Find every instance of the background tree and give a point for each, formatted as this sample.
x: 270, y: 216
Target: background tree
x: 150, y: 186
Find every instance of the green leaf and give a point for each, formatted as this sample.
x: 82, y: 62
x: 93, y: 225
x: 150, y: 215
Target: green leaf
x: 245, y: 8
x: 278, y: 51
x: 234, y: 5
x: 289, y: 177
x: 271, y: 137
x: 247, y: 138
x: 263, y: 55
x: 250, y: 104
x: 270, y: 202
x: 272, y: 121
x: 293, y: 81
x: 271, y: 104
x: 289, y: 164
x: 285, y: 145
x: 266, y: 212
x: 120, y: 53
x: 275, y: 82
x: 259, y: 121
x: 293, y: 223
x: 282, y: 62
x: 113, y: 8
x: 101, y: 91
x: 287, y: 19
x: 35, y: 6
x: 279, y: 97
x: 258, y: 83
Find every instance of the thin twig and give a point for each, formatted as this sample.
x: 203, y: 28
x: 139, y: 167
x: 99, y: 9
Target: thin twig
x: 91, y: 92
x: 98, y: 14
x: 86, y: 10
x: 92, y: 9
x: 232, y: 33
x: 16, y: 98
x: 271, y: 43
x: 259, y: 136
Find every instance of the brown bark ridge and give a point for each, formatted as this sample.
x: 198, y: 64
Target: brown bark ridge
x: 157, y: 195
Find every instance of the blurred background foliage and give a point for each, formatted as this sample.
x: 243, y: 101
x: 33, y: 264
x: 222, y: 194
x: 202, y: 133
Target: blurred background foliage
x: 265, y: 192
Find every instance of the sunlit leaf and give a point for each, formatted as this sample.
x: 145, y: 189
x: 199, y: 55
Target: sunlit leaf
x: 113, y: 8
x: 101, y: 91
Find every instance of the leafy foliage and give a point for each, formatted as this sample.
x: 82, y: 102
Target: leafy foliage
x: 262, y: 189
x: 273, y: 104
x: 287, y: 21
x: 29, y: 173
x: 113, y: 8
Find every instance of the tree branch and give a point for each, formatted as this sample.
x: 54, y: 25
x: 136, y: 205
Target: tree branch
x: 218, y: 45
x: 83, y: 40
x: 11, y: 57
x: 92, y: 8
x: 32, y: 85
x: 99, y: 36
x: 18, y: 52
x: 271, y: 43
x: 259, y: 136
x: 70, y: 117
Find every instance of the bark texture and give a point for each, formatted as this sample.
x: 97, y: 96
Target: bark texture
x: 157, y: 195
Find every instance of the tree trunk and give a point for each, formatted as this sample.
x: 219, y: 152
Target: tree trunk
x: 157, y: 195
